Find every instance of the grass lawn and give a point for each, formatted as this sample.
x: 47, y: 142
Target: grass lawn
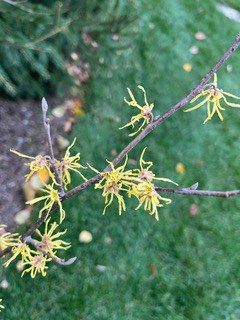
x: 181, y: 267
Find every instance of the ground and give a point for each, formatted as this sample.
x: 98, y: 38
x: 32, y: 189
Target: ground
x: 22, y: 130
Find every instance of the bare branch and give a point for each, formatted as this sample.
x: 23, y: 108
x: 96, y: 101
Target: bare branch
x: 204, y: 193
x: 30, y: 240
x: 46, y: 123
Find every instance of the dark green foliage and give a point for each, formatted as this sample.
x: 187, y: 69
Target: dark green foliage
x: 37, y: 38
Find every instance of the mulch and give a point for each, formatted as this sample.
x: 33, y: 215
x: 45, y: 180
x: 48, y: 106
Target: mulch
x: 21, y: 129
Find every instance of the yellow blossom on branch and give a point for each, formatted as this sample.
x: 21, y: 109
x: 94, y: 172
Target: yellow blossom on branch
x: 49, y: 242
x: 51, y: 197
x: 147, y: 175
x: 145, y: 111
x: 113, y: 182
x: 70, y: 163
x: 145, y: 191
x: 39, y: 164
x: 148, y: 196
x: 212, y: 98
x: 1, y: 306
x: 7, y: 239
x: 37, y: 264
x: 20, y: 249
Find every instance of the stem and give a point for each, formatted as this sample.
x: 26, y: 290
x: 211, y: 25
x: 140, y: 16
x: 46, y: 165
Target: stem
x: 46, y: 124
x: 29, y: 239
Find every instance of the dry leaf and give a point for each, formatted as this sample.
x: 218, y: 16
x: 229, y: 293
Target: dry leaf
x: 200, y: 36
x: 187, y: 67
x: 43, y: 175
x: 62, y: 142
x: 35, y: 182
x: 22, y: 216
x: 193, y: 210
x: 101, y: 268
x: 4, y: 284
x: 180, y: 168
x: 59, y: 112
x: 29, y: 191
x: 67, y: 126
x: 85, y: 236
x: 194, y: 50
x: 108, y: 240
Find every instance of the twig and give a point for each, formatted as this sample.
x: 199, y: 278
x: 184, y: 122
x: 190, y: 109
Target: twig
x: 150, y: 127
x: 30, y: 240
x: 204, y: 193
x: 46, y: 124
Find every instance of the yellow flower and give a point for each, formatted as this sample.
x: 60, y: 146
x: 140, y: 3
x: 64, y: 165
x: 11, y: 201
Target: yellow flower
x: 147, y: 175
x: 51, y: 197
x: 7, y: 239
x: 38, y: 164
x: 70, y: 163
x: 37, y: 265
x: 114, y: 182
x: 1, y: 306
x: 148, y: 196
x: 145, y: 111
x: 212, y: 97
x: 48, y: 242
x: 20, y: 249
x: 144, y: 189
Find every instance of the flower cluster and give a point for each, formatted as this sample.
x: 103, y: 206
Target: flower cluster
x: 45, y: 250
x: 39, y: 163
x: 36, y: 253
x: 7, y: 239
x: 138, y: 183
x: 212, y: 98
x: 145, y: 111
x: 145, y: 190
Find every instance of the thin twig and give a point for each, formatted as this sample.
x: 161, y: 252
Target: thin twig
x: 46, y: 124
x: 204, y: 193
x: 30, y: 240
x: 150, y: 127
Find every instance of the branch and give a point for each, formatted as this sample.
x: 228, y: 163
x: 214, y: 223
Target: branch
x: 204, y: 193
x: 29, y: 239
x: 46, y: 124
x: 150, y: 127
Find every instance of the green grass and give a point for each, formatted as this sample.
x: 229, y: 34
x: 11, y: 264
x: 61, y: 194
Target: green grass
x: 196, y: 258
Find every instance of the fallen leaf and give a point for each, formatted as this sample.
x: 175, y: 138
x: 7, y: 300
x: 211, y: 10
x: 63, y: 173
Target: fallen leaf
x: 22, y: 216
x: 20, y: 266
x: 108, y: 240
x: 43, y: 175
x: 200, y: 36
x: 63, y: 143
x: 74, y: 56
x: 193, y: 210
x: 67, y: 126
x: 85, y: 236
x: 35, y: 182
x: 113, y: 152
x: 29, y: 191
x: 194, y: 50
x: 180, y: 168
x: 101, y: 268
x: 4, y: 284
x: 59, y: 112
x: 187, y: 67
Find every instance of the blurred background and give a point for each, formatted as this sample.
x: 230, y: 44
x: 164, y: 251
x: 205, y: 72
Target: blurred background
x: 81, y: 56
